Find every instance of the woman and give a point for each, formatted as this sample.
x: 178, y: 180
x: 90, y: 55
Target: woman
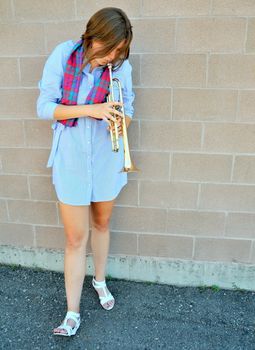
x: 86, y: 172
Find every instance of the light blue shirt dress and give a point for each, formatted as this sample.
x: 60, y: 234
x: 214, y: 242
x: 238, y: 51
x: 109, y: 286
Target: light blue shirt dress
x: 84, y: 167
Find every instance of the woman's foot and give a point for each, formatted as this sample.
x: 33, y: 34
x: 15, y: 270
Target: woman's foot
x: 106, y: 299
x: 69, y: 325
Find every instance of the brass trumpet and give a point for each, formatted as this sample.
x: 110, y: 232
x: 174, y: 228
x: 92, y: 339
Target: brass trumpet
x: 128, y: 165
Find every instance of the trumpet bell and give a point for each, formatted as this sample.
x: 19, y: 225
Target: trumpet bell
x: 132, y: 169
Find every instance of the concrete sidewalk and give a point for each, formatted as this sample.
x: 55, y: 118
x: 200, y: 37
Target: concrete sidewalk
x: 145, y: 316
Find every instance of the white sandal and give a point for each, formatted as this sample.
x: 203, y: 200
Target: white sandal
x: 103, y: 299
x: 64, y: 325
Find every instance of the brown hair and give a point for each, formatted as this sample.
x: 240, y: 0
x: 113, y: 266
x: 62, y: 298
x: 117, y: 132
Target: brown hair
x: 111, y: 26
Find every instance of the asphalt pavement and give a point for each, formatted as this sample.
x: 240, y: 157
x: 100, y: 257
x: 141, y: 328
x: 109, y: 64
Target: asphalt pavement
x: 145, y: 316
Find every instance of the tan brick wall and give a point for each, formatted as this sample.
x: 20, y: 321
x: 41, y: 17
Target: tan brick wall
x: 193, y: 133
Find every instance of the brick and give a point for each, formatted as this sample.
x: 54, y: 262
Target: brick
x: 227, y: 197
x: 195, y: 223
x: 240, y: 225
x: 3, y: 211
x: 138, y: 219
x: 252, y: 260
x: 41, y: 188
x: 233, y: 7
x: 213, y: 249
x: 44, y: 10
x: 201, y: 167
x: 175, y: 8
x: 133, y: 135
x: 166, y: 136
x: 165, y: 246
x: 56, y: 33
x: 49, y: 237
x: 134, y: 60
x: 129, y: 194
x: 204, y: 104
x: 16, y: 235
x: 24, y: 106
x: 88, y: 8
x: 21, y: 39
x: 25, y: 160
x: 250, y: 42
x: 168, y: 194
x: 229, y: 137
x: 14, y: 186
x: 153, y: 103
x: 247, y: 106
x: 123, y: 243
x: 152, y: 165
x: 31, y: 69
x: 38, y: 133
x: 147, y: 40
x: 9, y: 72
x: 6, y: 11
x: 32, y: 212
x: 231, y: 71
x: 187, y: 70
x: 244, y: 169
x: 12, y: 133
x: 210, y: 34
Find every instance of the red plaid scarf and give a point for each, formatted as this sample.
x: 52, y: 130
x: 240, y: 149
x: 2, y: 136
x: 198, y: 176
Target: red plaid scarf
x: 72, y: 79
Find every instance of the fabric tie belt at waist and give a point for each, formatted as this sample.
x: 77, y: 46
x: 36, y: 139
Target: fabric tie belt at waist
x: 57, y: 127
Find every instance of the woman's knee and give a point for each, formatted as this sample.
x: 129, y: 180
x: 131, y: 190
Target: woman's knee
x: 76, y: 238
x: 101, y: 223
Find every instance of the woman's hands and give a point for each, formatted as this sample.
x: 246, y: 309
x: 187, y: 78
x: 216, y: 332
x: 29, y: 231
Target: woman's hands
x: 104, y: 110
x: 119, y: 124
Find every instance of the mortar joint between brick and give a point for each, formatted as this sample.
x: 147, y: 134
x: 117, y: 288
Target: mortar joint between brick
x: 7, y: 210
x: 138, y: 193
x: 29, y: 187
x: 57, y: 211
x: 198, y: 195
x: 45, y: 40
x: 175, y: 34
x: 202, y: 136
x: 207, y: 69
x: 232, y: 168
x: 13, y: 9
x: 141, y: 8
x: 172, y: 102
x: 170, y: 166
x: 225, y: 223
x: 237, y: 117
x: 245, y: 35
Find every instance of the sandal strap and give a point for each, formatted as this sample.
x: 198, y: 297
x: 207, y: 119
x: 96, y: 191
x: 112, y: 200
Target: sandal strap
x: 102, y: 284
x: 99, y: 283
x: 66, y: 327
x: 75, y: 316
x: 104, y: 300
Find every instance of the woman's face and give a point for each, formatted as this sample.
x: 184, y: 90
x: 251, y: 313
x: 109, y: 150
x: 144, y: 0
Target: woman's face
x: 97, y: 45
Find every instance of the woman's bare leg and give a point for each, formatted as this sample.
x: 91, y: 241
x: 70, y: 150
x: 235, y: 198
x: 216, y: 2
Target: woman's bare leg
x: 76, y: 227
x: 100, y: 238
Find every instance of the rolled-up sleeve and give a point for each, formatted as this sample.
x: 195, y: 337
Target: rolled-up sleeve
x: 127, y: 91
x: 50, y: 85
